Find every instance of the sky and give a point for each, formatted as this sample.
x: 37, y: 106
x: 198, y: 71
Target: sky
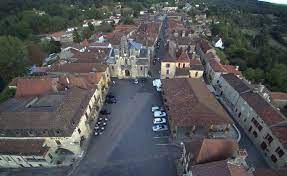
x: 276, y: 1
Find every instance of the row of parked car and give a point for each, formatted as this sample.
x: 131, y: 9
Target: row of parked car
x: 160, y: 119
x: 104, y: 115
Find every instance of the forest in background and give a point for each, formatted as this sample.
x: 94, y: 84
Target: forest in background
x: 255, y: 38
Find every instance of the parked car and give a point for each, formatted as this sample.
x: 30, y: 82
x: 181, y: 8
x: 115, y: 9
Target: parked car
x: 159, y: 120
x: 136, y: 81
x: 156, y: 108
x: 110, y: 101
x: 159, y: 127
x: 105, y: 112
x: 159, y: 114
x: 110, y: 95
x: 142, y: 80
x: 99, y: 130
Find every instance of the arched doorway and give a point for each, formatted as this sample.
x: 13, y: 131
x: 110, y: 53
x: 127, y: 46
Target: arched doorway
x: 127, y: 73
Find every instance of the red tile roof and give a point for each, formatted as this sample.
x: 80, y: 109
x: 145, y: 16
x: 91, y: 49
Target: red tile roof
x: 184, y: 57
x: 216, y: 66
x: 209, y: 150
x: 269, y: 172
x: 78, y: 68
x: 34, y: 86
x: 24, y: 147
x: 232, y: 69
x: 279, y: 95
x: 195, y: 62
x: 280, y: 132
x: 205, y: 46
x: 191, y: 103
x: 219, y: 168
x: 269, y: 114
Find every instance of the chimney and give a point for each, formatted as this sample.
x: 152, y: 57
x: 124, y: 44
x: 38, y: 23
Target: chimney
x: 183, y: 33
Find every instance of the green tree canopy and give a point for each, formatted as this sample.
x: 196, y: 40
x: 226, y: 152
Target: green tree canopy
x: 13, y: 58
x: 76, y: 36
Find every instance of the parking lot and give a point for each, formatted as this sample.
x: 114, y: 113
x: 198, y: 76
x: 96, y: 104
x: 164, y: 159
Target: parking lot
x: 128, y: 146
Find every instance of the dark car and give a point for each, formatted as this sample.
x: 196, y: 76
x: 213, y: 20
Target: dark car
x: 105, y: 112
x: 110, y: 95
x: 142, y: 80
x: 111, y: 101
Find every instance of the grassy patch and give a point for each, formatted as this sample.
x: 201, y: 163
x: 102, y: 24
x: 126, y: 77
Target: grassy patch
x: 6, y: 94
x: 222, y: 56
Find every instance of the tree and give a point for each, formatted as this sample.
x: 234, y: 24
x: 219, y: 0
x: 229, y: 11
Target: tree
x: 76, y: 36
x: 13, y: 58
x: 36, y: 54
x: 91, y: 26
x: 54, y: 46
x: 254, y: 75
x: 127, y: 20
x: 87, y: 33
x: 277, y: 78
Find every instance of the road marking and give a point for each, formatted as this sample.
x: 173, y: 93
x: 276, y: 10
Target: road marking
x: 163, y: 144
x: 158, y: 137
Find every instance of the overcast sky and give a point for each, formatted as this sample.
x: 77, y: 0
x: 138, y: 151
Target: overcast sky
x: 276, y: 1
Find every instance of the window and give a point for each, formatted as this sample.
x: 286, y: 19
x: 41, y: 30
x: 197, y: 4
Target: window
x: 239, y: 115
x: 58, y: 142
x: 269, y: 138
x: 95, y: 98
x: 255, y: 134
x: 279, y: 151
x: 255, y: 122
x: 8, y: 159
x: 196, y: 73
x: 31, y: 165
x: 90, y: 108
x: 167, y: 72
x: 179, y: 65
x: 141, y: 68
x: 217, y: 81
x: 183, y: 65
x: 40, y: 165
x: 167, y: 65
x: 50, y: 156
x: 263, y: 145
x: 113, y: 68
x: 79, y: 130
x: 250, y: 128
x: 236, y: 110
x: 273, y: 158
x: 86, y: 114
x: 19, y: 159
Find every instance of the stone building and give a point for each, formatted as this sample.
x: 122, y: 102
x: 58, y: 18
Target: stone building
x: 132, y: 60
x: 50, y: 118
x: 185, y: 66
x: 193, y: 111
x: 263, y: 123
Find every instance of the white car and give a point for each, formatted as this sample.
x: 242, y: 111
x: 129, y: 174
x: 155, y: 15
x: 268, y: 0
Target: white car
x: 159, y: 121
x: 159, y: 114
x: 159, y: 127
x: 158, y: 89
x: 156, y: 108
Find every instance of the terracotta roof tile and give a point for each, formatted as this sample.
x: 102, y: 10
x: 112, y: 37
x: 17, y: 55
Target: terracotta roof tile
x: 216, y: 66
x: 279, y: 95
x: 232, y: 69
x: 269, y: 114
x: 24, y: 147
x: 209, y: 150
x: 218, y: 168
x: 280, y: 132
x: 184, y: 57
x: 269, y: 172
x: 78, y: 68
x: 191, y: 103
x: 238, y: 84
